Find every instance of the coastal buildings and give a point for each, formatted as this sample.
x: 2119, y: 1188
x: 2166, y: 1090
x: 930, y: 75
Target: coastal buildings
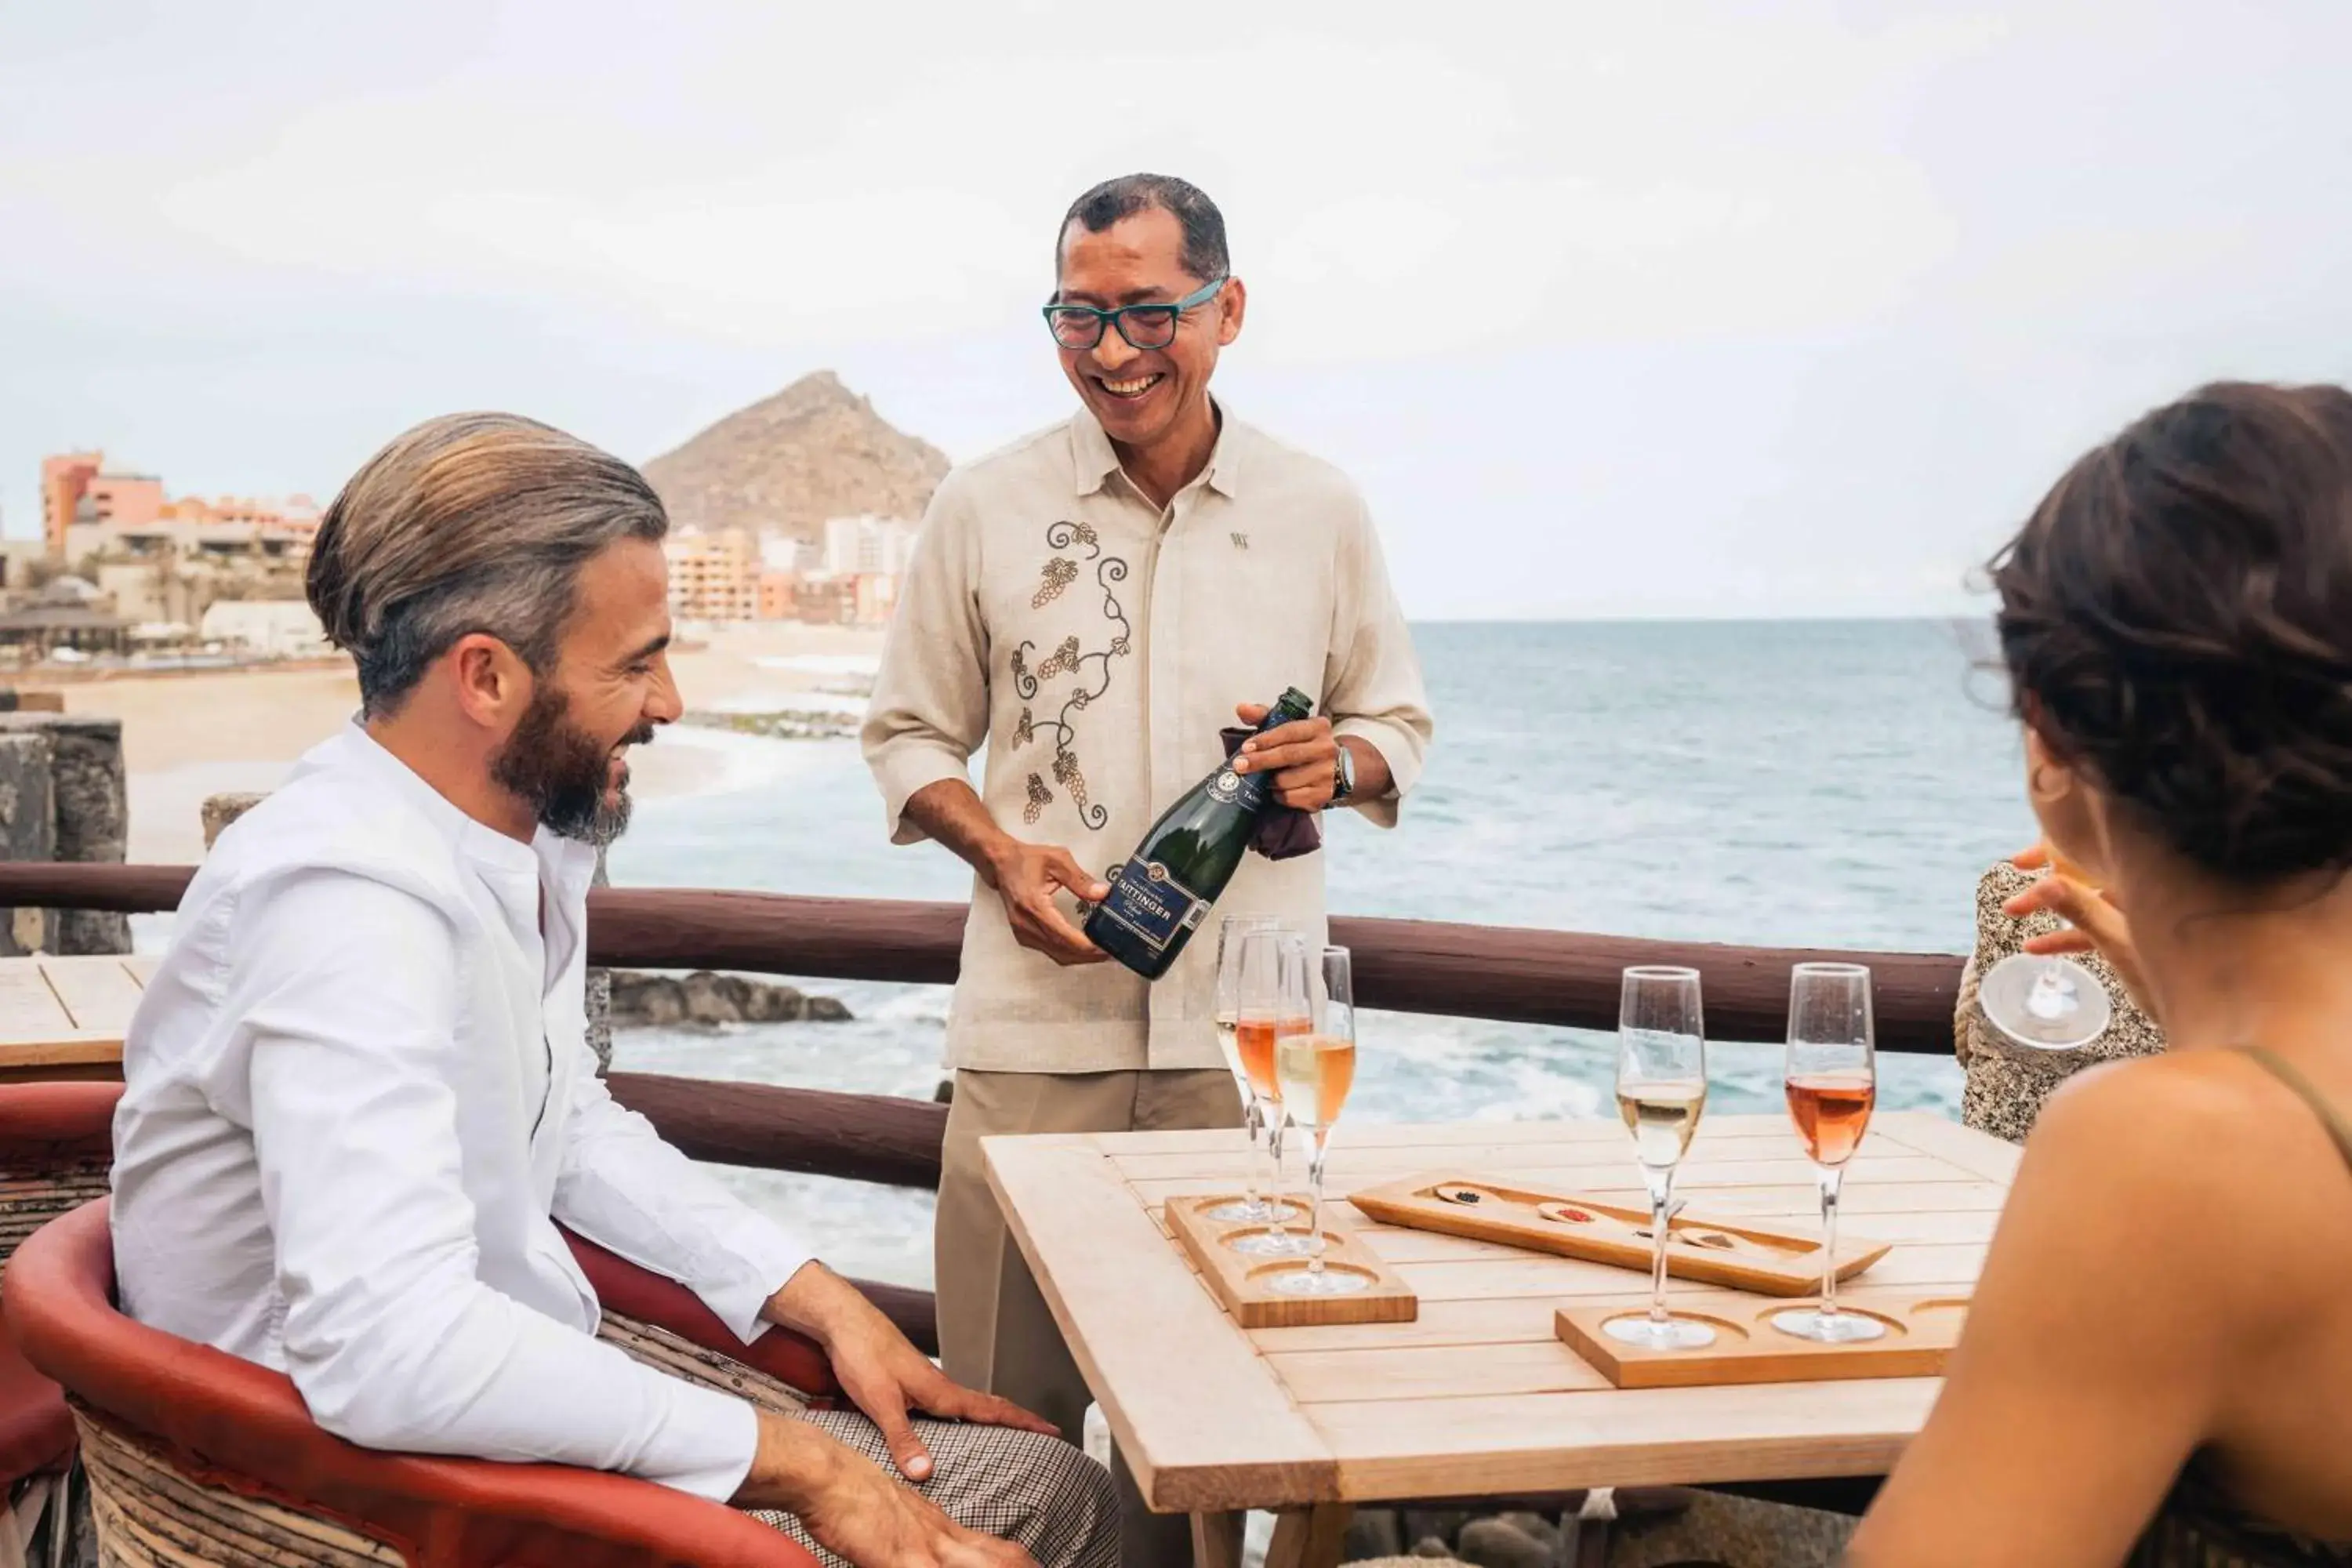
x: 89, y: 508
x: 160, y: 565
x: 849, y: 574
x: 67, y: 618
x: 122, y: 565
x: 863, y: 546
x: 77, y: 486
x: 265, y: 628
x: 714, y: 577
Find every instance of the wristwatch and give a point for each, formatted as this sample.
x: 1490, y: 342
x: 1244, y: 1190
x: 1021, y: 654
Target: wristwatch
x: 1344, y: 783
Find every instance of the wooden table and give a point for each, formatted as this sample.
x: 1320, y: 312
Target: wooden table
x: 1478, y: 1397
x: 65, y: 1018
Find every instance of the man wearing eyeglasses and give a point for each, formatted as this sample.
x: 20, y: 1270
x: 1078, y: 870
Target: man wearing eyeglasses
x: 1092, y: 604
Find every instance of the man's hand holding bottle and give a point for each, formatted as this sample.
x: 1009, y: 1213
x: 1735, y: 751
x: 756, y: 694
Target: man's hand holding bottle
x: 1027, y: 876
x: 1295, y: 752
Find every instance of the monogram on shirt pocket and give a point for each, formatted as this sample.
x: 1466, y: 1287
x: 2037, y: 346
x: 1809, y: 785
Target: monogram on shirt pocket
x: 1250, y: 621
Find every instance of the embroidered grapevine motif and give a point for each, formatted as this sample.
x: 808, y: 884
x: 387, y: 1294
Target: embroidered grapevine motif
x: 1060, y: 573
x: 1092, y: 670
x: 1066, y: 774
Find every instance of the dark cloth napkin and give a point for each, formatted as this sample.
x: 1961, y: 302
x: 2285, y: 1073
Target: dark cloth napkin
x: 1282, y: 831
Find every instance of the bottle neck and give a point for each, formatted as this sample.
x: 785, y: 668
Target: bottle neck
x: 1278, y: 716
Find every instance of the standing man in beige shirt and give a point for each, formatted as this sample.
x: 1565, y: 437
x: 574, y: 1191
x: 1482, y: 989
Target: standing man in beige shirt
x: 1094, y: 602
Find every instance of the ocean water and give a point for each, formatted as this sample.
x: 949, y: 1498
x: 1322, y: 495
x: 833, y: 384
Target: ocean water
x: 1832, y: 784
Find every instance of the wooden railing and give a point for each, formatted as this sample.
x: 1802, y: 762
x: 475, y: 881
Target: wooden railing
x: 1511, y: 974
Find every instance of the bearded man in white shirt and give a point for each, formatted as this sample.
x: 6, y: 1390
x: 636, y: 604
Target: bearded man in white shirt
x: 359, y: 1095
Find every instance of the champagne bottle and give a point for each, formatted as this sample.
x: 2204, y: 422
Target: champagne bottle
x: 1162, y: 895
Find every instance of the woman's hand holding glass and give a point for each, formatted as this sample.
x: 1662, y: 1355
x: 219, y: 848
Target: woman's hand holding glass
x: 2095, y: 923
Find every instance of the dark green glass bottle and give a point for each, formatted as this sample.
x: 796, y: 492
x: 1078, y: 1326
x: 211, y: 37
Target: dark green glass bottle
x: 1162, y: 895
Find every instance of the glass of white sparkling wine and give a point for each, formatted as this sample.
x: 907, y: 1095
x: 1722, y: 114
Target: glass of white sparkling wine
x: 1255, y: 1207
x: 1316, y: 1069
x: 1660, y: 1093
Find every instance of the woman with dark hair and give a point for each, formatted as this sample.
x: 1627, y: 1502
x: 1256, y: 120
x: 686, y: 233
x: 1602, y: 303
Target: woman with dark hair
x: 2157, y: 1366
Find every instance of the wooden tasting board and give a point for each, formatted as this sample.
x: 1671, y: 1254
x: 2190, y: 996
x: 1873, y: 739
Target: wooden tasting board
x: 1748, y: 1348
x: 1745, y: 1255
x: 1239, y: 1280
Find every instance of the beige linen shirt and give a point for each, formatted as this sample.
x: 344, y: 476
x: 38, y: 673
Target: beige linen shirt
x: 1097, y: 644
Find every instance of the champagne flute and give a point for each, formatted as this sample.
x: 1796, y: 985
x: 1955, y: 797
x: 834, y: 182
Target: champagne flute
x: 1660, y: 1093
x: 1253, y: 1208
x: 1271, y: 1003
x: 1315, y: 1071
x: 2043, y: 1002
x: 1832, y: 1081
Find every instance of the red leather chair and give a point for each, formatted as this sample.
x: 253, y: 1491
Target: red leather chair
x: 55, y: 1143
x: 191, y: 1451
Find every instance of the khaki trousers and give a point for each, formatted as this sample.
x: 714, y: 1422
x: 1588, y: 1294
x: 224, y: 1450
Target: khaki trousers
x: 996, y: 1330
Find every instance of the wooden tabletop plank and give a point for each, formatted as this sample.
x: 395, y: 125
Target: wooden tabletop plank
x: 1550, y: 1442
x: 1726, y: 1201
x: 97, y: 1054
x: 1529, y: 1165
x: 30, y: 1013
x: 1991, y: 1159
x: 1448, y: 1372
x: 101, y: 993
x: 1409, y: 1134
x: 1606, y: 1130
x: 143, y: 970
x: 1201, y: 1420
x: 1506, y: 1321
x: 1231, y: 1152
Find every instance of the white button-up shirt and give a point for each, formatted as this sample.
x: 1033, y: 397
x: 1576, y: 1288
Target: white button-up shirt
x: 358, y: 1094
x: 1097, y: 643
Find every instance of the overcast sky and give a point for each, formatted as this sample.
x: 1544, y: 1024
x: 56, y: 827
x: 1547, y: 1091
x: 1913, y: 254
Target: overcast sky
x: 1628, y: 310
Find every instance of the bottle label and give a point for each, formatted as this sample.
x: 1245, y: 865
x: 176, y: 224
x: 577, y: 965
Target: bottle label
x: 1152, y: 904
x: 1244, y: 790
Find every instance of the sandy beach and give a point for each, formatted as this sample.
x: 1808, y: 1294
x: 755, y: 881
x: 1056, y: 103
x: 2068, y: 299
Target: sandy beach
x: 188, y: 736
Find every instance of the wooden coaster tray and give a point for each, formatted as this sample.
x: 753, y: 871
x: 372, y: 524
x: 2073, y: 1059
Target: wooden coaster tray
x: 1240, y: 1280
x: 1744, y: 1255
x: 1748, y: 1348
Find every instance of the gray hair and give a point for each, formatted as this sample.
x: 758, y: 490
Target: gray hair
x: 471, y: 522
x: 1205, y: 254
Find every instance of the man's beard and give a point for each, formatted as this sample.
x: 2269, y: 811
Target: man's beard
x: 561, y: 769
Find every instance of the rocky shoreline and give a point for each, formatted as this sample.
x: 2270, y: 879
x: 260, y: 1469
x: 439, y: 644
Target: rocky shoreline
x: 703, y: 1000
